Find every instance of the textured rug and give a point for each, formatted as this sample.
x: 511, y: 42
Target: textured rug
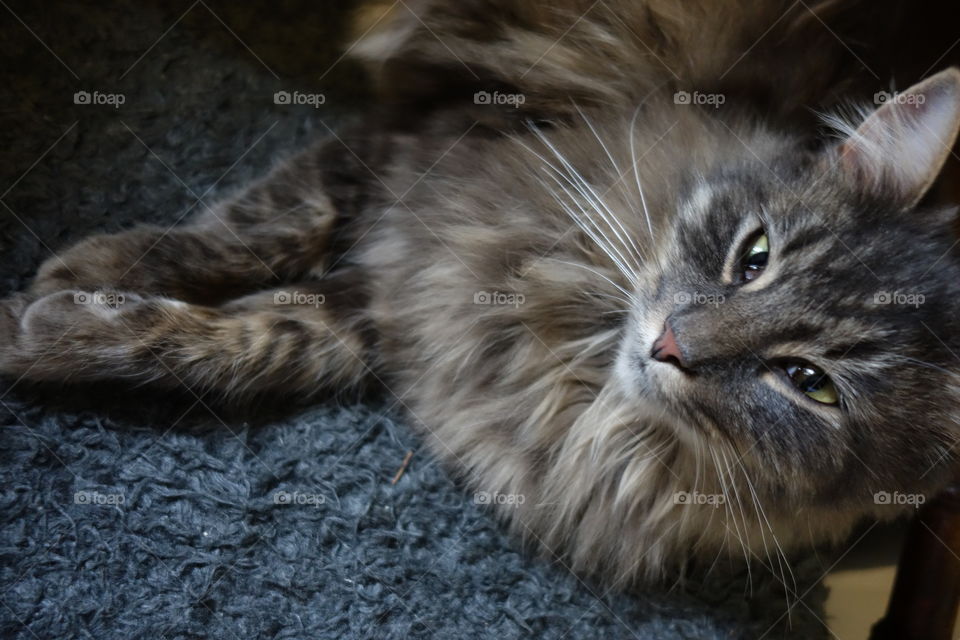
x: 130, y: 514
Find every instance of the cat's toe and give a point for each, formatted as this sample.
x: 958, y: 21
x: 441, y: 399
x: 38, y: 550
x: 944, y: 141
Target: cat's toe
x: 11, y: 309
x: 11, y: 314
x: 61, y: 321
x: 50, y: 337
x: 73, y: 313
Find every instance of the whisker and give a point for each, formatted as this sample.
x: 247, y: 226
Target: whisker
x: 731, y: 516
x: 759, y: 507
x: 928, y: 365
x: 597, y: 200
x: 763, y: 536
x: 594, y: 271
x: 594, y: 202
x: 616, y: 168
x: 608, y: 245
x: 636, y: 172
x: 743, y: 513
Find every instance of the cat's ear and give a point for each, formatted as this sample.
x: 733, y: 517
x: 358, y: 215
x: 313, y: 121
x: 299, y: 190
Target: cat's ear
x: 901, y: 147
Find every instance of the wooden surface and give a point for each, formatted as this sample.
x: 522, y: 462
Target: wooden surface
x: 923, y: 605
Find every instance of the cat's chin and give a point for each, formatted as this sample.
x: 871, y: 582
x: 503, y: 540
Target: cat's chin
x: 648, y: 386
x: 645, y: 379
x: 633, y: 378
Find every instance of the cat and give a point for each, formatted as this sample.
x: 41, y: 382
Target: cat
x: 613, y: 275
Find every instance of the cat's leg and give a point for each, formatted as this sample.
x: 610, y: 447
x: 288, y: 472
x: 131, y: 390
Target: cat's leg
x: 225, y: 252
x: 286, y: 340
x: 277, y: 231
x: 198, y: 265
x: 149, y: 304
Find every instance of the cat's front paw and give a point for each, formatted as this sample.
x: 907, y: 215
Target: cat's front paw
x: 74, y: 312
x: 11, y: 312
x: 39, y: 332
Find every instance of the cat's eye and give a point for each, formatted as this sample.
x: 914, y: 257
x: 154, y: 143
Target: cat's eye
x: 812, y: 381
x: 754, y: 257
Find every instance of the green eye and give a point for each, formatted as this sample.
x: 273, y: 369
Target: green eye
x: 754, y: 259
x: 813, y: 382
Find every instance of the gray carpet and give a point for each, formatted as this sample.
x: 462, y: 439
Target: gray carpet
x: 129, y: 514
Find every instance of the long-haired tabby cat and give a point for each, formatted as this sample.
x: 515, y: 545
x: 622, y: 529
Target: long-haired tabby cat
x: 603, y: 256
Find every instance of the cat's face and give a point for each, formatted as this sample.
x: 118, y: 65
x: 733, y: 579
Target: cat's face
x: 803, y: 309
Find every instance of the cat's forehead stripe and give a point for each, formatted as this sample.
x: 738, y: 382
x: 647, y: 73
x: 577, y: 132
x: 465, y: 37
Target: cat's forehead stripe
x: 701, y: 198
x: 803, y: 239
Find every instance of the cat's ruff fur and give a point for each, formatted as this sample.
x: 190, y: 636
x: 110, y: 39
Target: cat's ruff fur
x: 373, y: 264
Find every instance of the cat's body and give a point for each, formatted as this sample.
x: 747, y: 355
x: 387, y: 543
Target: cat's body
x: 509, y: 283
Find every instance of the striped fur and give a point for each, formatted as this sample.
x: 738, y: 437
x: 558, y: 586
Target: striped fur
x: 506, y: 284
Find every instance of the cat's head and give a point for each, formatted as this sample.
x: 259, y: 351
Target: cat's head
x: 805, y: 309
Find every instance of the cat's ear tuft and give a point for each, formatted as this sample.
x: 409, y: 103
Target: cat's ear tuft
x: 901, y: 147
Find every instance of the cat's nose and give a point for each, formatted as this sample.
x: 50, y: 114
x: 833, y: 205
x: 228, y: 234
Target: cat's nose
x: 666, y: 349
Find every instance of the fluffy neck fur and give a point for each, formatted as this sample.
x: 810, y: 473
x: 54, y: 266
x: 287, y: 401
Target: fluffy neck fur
x: 527, y: 401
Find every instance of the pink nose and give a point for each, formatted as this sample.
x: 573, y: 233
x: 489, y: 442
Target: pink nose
x: 665, y: 348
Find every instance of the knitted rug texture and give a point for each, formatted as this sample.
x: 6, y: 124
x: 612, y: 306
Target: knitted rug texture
x: 136, y: 514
